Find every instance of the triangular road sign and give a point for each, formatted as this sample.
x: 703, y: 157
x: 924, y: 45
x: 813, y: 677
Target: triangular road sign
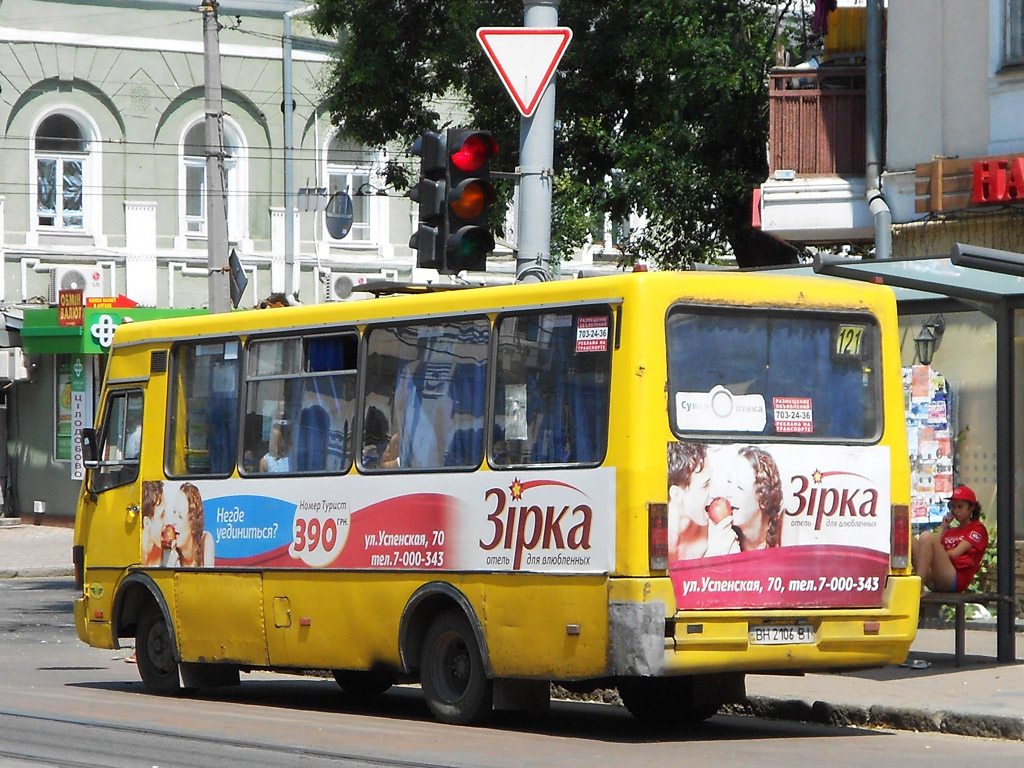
x: 525, y: 59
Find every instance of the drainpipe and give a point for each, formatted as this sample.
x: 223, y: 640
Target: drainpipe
x: 880, y: 213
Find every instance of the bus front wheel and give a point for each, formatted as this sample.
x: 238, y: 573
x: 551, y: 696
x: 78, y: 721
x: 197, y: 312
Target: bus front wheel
x: 452, y: 674
x: 154, y: 652
x: 363, y: 685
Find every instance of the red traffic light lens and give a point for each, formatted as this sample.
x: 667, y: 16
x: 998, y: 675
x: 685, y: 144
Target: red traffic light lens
x: 474, y: 152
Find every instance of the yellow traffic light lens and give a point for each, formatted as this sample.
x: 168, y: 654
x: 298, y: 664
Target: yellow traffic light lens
x: 470, y: 203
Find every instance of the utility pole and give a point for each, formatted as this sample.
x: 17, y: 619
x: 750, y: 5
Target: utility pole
x: 216, y: 196
x: 536, y: 158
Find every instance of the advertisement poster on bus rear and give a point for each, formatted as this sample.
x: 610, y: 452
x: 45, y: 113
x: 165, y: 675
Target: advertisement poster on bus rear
x: 778, y: 525
x: 543, y: 522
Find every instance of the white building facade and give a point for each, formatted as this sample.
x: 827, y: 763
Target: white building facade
x: 103, y: 188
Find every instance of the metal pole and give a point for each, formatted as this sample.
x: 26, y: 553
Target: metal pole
x: 288, y: 108
x: 216, y: 197
x: 1006, y: 651
x: 289, y: 158
x: 536, y: 159
x: 881, y: 215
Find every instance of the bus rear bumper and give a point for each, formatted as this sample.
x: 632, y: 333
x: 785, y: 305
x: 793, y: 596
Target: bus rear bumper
x: 839, y: 639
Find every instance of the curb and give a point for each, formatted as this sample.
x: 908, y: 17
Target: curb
x: 36, y: 572
x: 930, y: 721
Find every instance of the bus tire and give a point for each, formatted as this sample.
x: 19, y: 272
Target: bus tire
x: 663, y: 702
x: 452, y: 673
x: 154, y: 652
x: 363, y: 685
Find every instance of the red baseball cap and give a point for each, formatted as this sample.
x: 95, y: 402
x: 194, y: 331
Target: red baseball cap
x: 964, y: 493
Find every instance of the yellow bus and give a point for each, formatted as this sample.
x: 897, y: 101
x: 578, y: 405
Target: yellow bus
x: 655, y: 481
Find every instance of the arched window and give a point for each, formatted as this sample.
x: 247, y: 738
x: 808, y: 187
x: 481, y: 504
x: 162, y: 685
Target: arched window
x: 348, y: 170
x: 194, y: 181
x: 61, y: 152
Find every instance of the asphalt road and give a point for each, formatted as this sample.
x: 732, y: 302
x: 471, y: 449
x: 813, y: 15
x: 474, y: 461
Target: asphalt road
x: 64, y: 704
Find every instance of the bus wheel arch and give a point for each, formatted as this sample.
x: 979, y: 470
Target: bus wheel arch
x: 425, y: 605
x: 134, y: 595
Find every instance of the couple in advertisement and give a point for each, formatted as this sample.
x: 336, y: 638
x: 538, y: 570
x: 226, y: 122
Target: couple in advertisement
x: 722, y: 500
x: 173, y: 526
x: 777, y: 526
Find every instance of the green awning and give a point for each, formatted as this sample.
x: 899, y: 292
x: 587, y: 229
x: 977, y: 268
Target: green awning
x: 42, y: 334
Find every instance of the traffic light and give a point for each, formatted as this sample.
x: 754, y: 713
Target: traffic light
x: 470, y: 198
x: 428, y: 241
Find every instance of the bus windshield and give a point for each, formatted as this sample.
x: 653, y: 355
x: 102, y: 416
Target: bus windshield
x: 788, y: 375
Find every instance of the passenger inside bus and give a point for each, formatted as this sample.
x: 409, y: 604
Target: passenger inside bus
x: 376, y: 436
x: 276, y: 460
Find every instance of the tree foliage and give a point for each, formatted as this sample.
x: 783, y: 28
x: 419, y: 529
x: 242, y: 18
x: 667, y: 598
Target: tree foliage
x: 661, y: 108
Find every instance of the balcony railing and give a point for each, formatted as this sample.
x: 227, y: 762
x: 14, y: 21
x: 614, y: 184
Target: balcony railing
x: 817, y: 121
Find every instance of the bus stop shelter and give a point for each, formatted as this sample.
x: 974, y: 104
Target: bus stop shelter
x: 991, y: 282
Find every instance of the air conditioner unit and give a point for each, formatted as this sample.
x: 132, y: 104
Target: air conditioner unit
x: 67, y: 277
x: 341, y: 284
x: 13, y: 366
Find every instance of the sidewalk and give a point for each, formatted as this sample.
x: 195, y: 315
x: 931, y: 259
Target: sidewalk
x: 981, y: 698
x: 32, y: 551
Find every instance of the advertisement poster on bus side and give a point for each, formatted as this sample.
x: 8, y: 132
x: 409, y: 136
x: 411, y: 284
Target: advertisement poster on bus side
x: 778, y: 525
x: 542, y: 522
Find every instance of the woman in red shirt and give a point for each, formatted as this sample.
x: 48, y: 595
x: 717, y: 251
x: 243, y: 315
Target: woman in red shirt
x: 947, y: 559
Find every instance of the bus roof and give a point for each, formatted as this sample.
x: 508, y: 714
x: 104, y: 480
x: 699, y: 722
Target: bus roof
x: 657, y: 288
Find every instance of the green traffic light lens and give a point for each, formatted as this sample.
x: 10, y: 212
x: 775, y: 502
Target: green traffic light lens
x: 476, y: 243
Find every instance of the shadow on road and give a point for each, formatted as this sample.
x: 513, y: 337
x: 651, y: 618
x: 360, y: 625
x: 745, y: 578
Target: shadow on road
x: 566, y: 719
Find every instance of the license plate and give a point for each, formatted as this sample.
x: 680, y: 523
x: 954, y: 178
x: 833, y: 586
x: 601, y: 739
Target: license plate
x: 781, y: 634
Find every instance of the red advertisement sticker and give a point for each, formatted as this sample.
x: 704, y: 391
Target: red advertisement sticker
x: 793, y: 414
x: 592, y: 334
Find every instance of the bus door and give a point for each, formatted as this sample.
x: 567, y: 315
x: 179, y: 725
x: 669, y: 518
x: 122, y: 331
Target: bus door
x: 217, y: 610
x: 115, y: 519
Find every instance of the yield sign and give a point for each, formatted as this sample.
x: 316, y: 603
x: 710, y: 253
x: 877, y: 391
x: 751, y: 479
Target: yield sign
x: 525, y: 59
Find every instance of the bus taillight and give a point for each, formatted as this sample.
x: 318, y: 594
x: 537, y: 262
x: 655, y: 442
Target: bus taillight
x: 900, y: 551
x: 657, y: 535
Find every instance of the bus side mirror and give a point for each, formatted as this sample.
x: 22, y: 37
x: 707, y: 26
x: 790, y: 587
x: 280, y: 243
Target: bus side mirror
x: 90, y: 448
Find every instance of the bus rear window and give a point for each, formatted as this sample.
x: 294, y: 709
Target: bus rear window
x: 788, y: 375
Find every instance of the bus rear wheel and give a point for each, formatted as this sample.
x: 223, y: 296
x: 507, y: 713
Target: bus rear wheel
x: 452, y: 673
x: 664, y: 702
x: 363, y: 685
x: 154, y: 652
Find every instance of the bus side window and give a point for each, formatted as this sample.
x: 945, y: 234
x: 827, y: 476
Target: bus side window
x: 552, y: 388
x: 203, y: 409
x: 425, y: 394
x: 120, y: 441
x: 300, y: 404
